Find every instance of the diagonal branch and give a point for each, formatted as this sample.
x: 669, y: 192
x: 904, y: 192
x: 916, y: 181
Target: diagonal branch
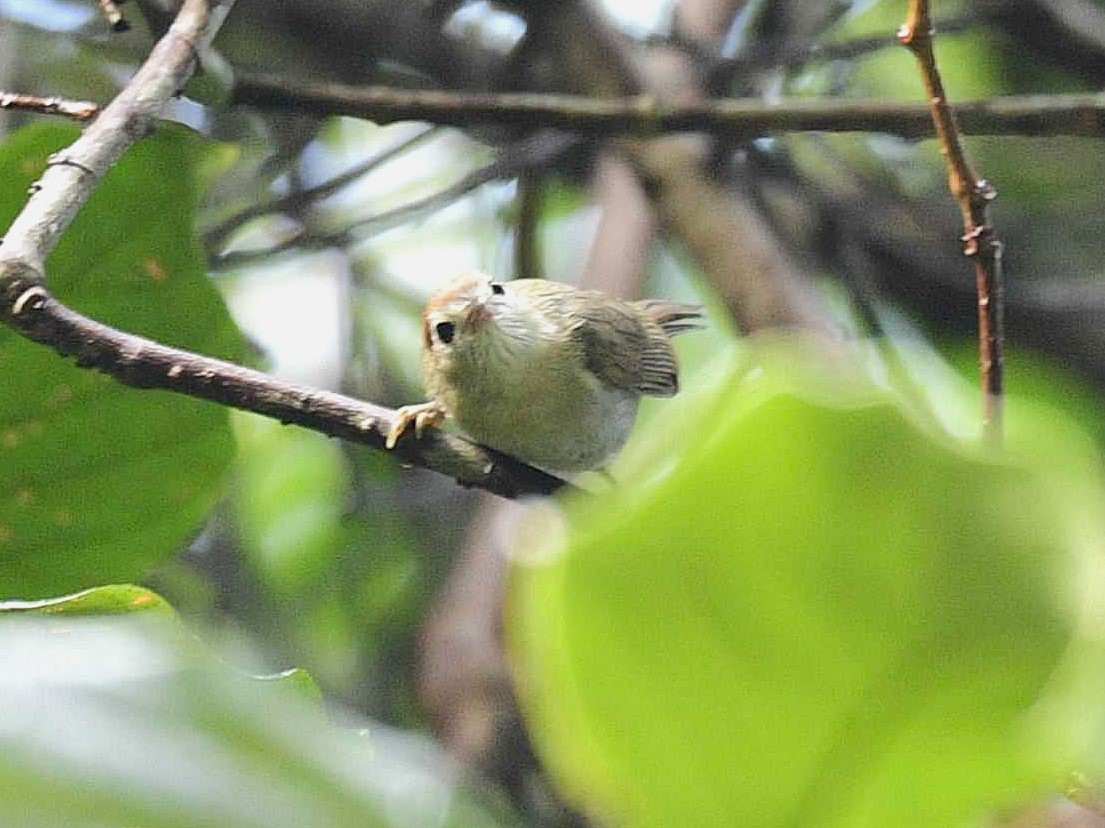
x: 534, y: 152
x: 74, y: 173
x: 217, y: 235
x: 68, y: 183
x: 142, y: 363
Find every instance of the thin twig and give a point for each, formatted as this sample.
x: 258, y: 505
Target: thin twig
x: 69, y: 181
x: 797, y: 56
x: 114, y: 17
x: 646, y: 116
x: 77, y: 110
x: 533, y: 153
x: 365, y: 227
x: 974, y: 194
x: 217, y: 235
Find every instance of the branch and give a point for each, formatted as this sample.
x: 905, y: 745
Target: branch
x: 534, y: 152
x: 114, y: 17
x: 68, y: 183
x: 77, y: 110
x: 974, y: 194
x: 754, y: 57
x: 646, y: 116
x: 142, y: 363
x: 74, y: 173
x: 217, y: 235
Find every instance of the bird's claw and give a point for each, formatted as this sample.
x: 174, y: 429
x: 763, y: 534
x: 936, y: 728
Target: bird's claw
x: 423, y: 415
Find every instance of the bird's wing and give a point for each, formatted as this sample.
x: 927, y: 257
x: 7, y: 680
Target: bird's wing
x: 624, y: 348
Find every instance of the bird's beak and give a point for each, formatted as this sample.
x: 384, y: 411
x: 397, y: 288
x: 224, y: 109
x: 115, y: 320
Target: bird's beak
x: 476, y: 314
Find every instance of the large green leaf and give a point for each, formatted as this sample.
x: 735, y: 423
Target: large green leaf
x: 822, y: 614
x: 115, y: 723
x: 114, y: 599
x: 97, y: 481
x: 340, y: 585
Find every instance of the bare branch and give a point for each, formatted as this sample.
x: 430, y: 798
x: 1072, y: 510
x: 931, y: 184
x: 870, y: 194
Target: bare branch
x: 27, y: 306
x: 114, y: 17
x: 77, y: 110
x: 218, y: 234
x: 73, y: 173
x: 974, y: 194
x: 533, y: 152
x: 142, y: 363
x: 647, y: 116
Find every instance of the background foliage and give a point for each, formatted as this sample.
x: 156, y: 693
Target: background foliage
x: 809, y: 598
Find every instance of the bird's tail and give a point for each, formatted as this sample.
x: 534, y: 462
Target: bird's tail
x: 673, y: 317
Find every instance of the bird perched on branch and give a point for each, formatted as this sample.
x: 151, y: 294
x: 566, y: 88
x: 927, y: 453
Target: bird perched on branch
x: 539, y: 370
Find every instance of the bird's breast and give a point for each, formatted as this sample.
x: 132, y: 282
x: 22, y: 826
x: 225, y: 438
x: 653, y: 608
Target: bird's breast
x: 540, y: 404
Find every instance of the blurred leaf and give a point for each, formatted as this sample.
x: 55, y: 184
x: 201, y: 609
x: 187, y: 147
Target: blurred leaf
x: 290, y: 498
x: 815, y: 612
x: 105, y: 723
x: 99, y: 482
x: 340, y: 582
x: 974, y: 63
x: 106, y: 600
x: 126, y: 599
x: 297, y: 680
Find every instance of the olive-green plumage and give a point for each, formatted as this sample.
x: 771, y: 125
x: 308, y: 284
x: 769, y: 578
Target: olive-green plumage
x: 542, y: 371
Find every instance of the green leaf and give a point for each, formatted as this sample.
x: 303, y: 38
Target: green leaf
x: 299, y: 681
x: 128, y: 599
x: 116, y: 599
x: 818, y: 612
x: 111, y: 724
x: 290, y: 492
x: 99, y: 482
x: 341, y: 584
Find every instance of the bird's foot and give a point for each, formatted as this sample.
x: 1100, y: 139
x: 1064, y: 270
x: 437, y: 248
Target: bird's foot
x: 423, y: 415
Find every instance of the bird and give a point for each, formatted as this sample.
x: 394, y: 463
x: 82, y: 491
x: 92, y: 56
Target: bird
x: 542, y: 371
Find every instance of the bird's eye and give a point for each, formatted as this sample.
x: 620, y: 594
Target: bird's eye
x: 445, y: 332
x: 497, y: 288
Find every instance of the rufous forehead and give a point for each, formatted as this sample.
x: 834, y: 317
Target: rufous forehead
x: 456, y: 294
x: 463, y: 286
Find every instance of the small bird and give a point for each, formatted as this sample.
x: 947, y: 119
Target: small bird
x: 542, y: 371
